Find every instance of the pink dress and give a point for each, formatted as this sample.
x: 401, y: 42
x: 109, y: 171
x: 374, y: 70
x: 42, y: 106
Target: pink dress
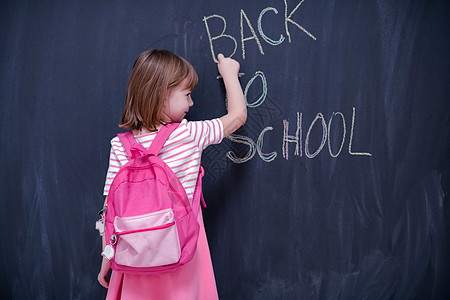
x: 195, y: 280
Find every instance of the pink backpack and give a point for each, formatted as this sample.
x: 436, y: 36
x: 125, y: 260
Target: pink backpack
x: 151, y: 226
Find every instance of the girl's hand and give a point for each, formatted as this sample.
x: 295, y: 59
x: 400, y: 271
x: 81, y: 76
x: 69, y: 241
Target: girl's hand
x: 237, y: 108
x: 106, y: 265
x: 227, y: 66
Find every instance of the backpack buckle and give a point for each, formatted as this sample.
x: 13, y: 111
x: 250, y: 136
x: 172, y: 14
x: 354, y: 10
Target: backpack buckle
x: 113, y: 239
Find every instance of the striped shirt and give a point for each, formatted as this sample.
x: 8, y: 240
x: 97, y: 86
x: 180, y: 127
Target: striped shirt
x: 181, y: 152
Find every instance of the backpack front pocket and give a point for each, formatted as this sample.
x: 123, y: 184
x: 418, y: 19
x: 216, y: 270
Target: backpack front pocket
x: 148, y: 240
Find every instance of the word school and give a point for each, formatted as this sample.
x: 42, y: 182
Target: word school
x: 297, y: 140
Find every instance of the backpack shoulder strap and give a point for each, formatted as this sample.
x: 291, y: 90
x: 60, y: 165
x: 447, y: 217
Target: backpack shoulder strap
x: 131, y: 146
x: 162, y: 136
x: 198, y: 194
x: 134, y: 149
x: 126, y: 141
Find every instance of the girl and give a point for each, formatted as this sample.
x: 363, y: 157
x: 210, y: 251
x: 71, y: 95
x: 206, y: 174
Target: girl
x: 159, y: 92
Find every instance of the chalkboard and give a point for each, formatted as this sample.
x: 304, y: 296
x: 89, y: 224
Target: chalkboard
x: 337, y: 187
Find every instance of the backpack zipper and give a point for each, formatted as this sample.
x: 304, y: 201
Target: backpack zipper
x: 164, y: 226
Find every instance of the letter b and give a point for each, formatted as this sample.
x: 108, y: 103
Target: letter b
x: 222, y: 35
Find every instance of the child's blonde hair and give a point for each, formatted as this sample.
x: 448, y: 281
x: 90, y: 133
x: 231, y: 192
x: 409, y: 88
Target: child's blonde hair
x: 155, y: 73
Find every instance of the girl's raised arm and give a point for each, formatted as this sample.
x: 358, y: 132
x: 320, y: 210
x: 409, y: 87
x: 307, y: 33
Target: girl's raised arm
x: 237, y: 109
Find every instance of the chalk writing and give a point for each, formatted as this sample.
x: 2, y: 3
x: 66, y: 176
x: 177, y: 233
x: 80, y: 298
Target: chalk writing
x: 211, y: 39
x: 297, y: 138
x: 254, y: 36
x: 243, y: 140
x: 288, y: 19
x: 265, y: 157
x: 263, y: 35
x: 292, y: 139
x: 324, y: 136
x: 261, y: 99
x: 343, y: 136
x: 351, y: 138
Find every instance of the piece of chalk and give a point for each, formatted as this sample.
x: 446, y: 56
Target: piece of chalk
x: 239, y: 75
